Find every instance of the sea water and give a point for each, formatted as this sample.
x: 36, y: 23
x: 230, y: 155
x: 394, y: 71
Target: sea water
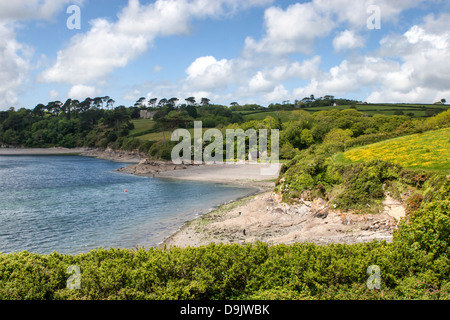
x: 73, y: 204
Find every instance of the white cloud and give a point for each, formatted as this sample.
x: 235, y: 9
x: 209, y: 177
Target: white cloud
x: 15, y: 57
x: 259, y: 83
x: 267, y: 81
x: 32, y: 9
x: 347, y: 40
x: 14, y: 65
x: 424, y: 71
x: 158, y: 68
x: 53, y: 94
x: 81, y: 92
x: 295, y: 29
x: 414, y: 62
x: 307, y: 69
x: 278, y: 94
x: 94, y: 55
x: 291, y: 30
x: 355, y: 13
x: 107, y: 45
x: 132, y: 95
x: 409, y: 67
x: 208, y: 74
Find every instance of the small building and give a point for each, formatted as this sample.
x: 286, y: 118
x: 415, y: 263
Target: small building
x: 145, y: 114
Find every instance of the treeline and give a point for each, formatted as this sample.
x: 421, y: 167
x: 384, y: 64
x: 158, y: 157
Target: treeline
x: 70, y: 124
x: 96, y: 123
x: 313, y: 102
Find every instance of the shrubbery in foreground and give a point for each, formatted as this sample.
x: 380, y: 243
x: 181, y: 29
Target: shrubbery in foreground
x: 415, y: 266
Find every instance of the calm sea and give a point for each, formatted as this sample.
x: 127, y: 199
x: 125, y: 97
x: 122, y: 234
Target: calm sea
x: 72, y: 204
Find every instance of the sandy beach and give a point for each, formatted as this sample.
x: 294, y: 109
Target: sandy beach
x: 263, y: 217
x: 247, y: 174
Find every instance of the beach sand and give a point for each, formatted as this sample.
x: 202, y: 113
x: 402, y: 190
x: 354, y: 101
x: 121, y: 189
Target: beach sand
x: 245, y: 174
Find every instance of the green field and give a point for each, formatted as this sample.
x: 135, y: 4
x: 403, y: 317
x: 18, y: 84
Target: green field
x: 142, y: 126
x: 283, y: 115
x: 145, y: 128
x: 158, y: 136
x: 370, y: 109
x: 429, y: 151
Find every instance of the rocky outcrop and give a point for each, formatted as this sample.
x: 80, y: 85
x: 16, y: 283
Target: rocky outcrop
x: 149, y: 167
x: 265, y: 218
x: 114, y: 155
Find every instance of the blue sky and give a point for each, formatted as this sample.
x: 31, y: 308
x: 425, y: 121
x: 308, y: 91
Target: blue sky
x: 255, y: 51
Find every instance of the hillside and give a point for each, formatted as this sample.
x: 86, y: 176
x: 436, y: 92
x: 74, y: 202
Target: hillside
x: 429, y: 150
x: 370, y: 109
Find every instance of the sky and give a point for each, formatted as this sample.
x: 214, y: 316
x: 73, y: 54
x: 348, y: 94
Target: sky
x: 252, y: 51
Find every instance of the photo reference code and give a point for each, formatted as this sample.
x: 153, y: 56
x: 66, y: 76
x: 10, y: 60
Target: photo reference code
x: 236, y: 310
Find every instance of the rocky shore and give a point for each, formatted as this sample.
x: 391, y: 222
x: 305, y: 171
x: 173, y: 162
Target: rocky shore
x: 114, y: 155
x: 152, y: 168
x: 265, y: 218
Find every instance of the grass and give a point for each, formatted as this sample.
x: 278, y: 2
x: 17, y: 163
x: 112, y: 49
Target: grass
x: 429, y: 151
x: 158, y: 136
x: 371, y: 109
x: 142, y: 126
x: 284, y: 115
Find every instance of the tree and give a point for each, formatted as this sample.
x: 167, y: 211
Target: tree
x: 205, y: 102
x: 39, y: 110
x: 85, y: 105
x: 162, y: 103
x: 190, y: 101
x: 98, y: 102
x: 306, y: 138
x: 54, y: 107
x: 192, y: 111
x: 338, y: 135
x: 173, y: 101
x: 110, y: 103
x: 171, y: 104
x: 67, y: 107
x: 443, y: 101
x: 140, y: 102
x: 105, y: 99
x: 152, y: 102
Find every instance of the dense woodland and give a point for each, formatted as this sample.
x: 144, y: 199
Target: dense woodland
x: 97, y: 123
x: 416, y: 265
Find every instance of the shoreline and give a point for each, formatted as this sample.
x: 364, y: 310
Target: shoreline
x: 260, y: 216
x: 239, y: 174
x: 108, y: 154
